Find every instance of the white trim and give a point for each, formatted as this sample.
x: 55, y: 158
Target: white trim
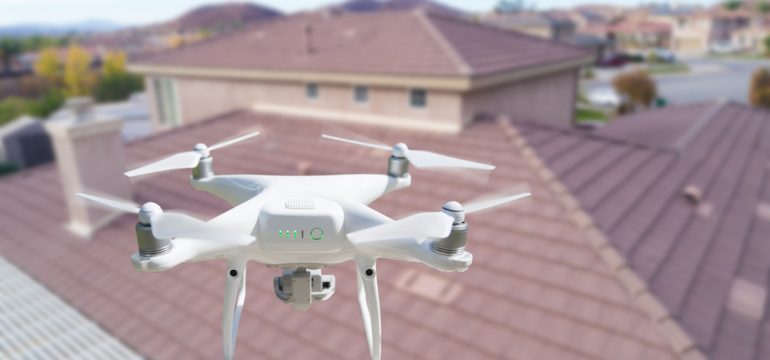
x: 357, y: 118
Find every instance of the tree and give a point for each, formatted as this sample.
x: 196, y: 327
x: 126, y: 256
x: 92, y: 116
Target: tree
x: 114, y: 63
x: 766, y: 43
x: 637, y: 86
x: 733, y: 5
x: 78, y: 79
x: 117, y: 86
x: 759, y: 92
x: 764, y: 7
x: 48, y: 65
x: 9, y: 48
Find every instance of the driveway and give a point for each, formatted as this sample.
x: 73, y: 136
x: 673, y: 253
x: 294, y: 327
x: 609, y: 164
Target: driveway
x: 708, y: 80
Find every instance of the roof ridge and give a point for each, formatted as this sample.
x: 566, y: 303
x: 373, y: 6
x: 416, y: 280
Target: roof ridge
x: 684, y: 141
x: 475, y: 22
x: 664, y: 323
x: 443, y: 43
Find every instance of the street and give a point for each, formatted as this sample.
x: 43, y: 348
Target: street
x: 708, y: 79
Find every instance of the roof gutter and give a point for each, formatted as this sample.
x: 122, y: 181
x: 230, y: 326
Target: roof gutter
x: 447, y: 83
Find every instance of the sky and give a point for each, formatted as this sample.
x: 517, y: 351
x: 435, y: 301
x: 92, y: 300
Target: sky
x: 135, y: 12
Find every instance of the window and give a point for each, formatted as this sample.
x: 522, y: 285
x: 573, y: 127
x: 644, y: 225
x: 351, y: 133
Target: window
x: 166, y: 101
x: 418, y: 98
x: 361, y: 94
x: 311, y: 91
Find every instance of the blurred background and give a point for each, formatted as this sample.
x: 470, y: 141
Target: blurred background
x: 641, y: 128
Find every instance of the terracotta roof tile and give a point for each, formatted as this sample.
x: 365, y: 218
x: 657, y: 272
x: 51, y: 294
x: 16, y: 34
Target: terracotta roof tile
x: 390, y: 42
x: 528, y: 274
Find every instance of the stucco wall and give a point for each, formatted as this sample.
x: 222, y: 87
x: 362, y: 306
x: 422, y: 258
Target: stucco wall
x: 202, y: 98
x: 548, y: 99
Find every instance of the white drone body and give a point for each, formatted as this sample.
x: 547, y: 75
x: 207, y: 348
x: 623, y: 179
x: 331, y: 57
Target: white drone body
x: 302, y: 224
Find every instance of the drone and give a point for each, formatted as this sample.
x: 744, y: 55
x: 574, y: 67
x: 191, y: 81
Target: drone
x: 301, y: 225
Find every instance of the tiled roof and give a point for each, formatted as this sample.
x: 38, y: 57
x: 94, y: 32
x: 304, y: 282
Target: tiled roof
x: 36, y: 324
x: 537, y: 288
x: 708, y: 260
x: 387, y: 42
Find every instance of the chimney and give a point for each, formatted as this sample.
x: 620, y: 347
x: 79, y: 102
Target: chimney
x: 308, y: 39
x: 90, y: 157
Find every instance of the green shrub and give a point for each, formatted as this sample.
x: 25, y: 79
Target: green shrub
x: 117, y: 86
x: 47, y: 104
x: 11, y: 108
x: 7, y: 168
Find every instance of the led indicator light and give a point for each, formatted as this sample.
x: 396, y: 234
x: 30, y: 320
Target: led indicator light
x: 295, y: 234
x: 317, y: 234
x: 280, y: 234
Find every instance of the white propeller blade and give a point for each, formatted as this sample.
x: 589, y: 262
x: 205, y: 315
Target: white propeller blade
x: 423, y: 225
x: 420, y: 158
x: 122, y: 205
x: 174, y: 225
x: 185, y: 160
x: 482, y: 205
x: 233, y: 141
x: 427, y: 159
x: 356, y: 142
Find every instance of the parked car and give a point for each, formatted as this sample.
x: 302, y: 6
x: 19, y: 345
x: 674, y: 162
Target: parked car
x: 604, y: 97
x: 723, y: 48
x: 615, y: 60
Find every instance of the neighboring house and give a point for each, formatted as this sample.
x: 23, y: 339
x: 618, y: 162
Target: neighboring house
x: 540, y: 24
x: 691, y: 34
x: 538, y: 289
x: 24, y: 143
x: 418, y: 69
x: 683, y: 195
x: 751, y: 39
x: 640, y: 34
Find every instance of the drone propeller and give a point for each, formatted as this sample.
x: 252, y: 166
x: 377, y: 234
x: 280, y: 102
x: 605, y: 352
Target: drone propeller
x: 187, y: 159
x: 168, y: 225
x: 428, y: 225
x: 418, y: 158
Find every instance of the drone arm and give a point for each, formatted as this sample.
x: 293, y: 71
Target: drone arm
x: 235, y: 189
x: 414, y: 250
x: 369, y: 300
x: 187, y: 250
x: 235, y: 294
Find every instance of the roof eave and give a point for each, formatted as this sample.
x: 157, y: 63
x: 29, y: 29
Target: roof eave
x: 458, y: 82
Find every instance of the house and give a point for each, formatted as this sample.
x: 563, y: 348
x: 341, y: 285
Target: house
x: 420, y: 69
x: 535, y: 23
x: 539, y: 287
x: 752, y: 39
x: 640, y: 34
x: 716, y: 29
x: 682, y: 194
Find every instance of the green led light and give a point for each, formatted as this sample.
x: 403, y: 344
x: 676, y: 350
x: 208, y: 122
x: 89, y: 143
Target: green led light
x: 295, y: 234
x: 280, y: 234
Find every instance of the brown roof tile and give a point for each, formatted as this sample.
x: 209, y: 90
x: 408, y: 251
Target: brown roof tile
x: 389, y: 42
x: 536, y: 289
x: 632, y: 185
